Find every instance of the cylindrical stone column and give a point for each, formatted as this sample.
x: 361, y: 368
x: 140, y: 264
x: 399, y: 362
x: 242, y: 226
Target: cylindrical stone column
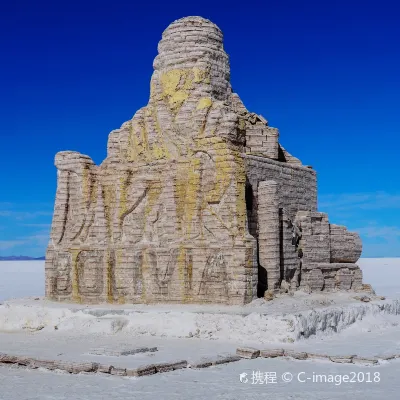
x: 268, y: 232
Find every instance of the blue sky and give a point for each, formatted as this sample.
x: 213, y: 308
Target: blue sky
x: 326, y: 73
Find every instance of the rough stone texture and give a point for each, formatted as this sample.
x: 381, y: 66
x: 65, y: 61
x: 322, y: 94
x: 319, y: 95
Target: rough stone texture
x: 200, y: 364
x: 315, y: 356
x: 268, y: 234
x: 346, y: 246
x: 342, y: 359
x: 43, y: 364
x: 118, y: 371
x: 272, y: 353
x: 226, y: 360
x: 105, y: 369
x: 125, y: 352
x: 364, y: 361
x: 141, y: 371
x: 196, y: 202
x: 166, y: 367
x: 298, y: 355
x: 247, y: 352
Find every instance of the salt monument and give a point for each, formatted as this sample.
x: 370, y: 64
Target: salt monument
x: 196, y: 202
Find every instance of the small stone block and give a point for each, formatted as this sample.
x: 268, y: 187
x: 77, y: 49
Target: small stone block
x: 201, y: 364
x: 164, y: 367
x: 364, y: 361
x: 8, y: 359
x: 247, y: 352
x: 341, y: 359
x: 272, y: 353
x: 226, y: 360
x: 138, y: 350
x: 118, y: 371
x: 179, y: 364
x: 314, y: 356
x: 22, y: 360
x: 298, y: 355
x: 142, y: 371
x: 387, y: 357
x: 104, y: 369
x: 84, y: 367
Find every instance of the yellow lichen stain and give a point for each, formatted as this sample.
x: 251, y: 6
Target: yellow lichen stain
x: 170, y: 82
x: 180, y: 191
x: 118, y: 260
x: 186, y: 193
x: 75, y: 276
x: 242, y: 124
x: 153, y: 193
x: 181, y: 261
x: 138, y: 146
x: 93, y: 193
x: 110, y: 273
x: 224, y: 165
x: 122, y: 197
x: 145, y: 268
x: 109, y: 204
x: 125, y: 182
x: 201, y: 75
x: 177, y: 84
x: 189, y: 280
x: 204, y: 102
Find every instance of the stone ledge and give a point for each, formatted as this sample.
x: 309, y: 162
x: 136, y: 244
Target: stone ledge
x: 301, y: 355
x: 90, y: 367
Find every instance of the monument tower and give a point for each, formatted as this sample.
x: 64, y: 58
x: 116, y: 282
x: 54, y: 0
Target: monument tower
x: 196, y: 202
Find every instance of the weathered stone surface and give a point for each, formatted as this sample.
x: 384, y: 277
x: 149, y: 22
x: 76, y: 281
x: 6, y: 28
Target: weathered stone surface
x: 25, y: 361
x: 247, y: 352
x: 142, y: 371
x: 342, y: 359
x: 226, y: 360
x: 316, y: 356
x: 364, y: 361
x: 272, y: 353
x: 104, y: 368
x: 298, y: 355
x: 193, y: 186
x: 47, y: 364
x: 200, y: 364
x: 346, y: 246
x: 386, y: 357
x: 125, y: 352
x: 8, y: 359
x: 166, y: 367
x: 75, y: 367
x: 118, y: 371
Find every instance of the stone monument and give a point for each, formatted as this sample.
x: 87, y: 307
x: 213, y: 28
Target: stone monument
x: 196, y: 202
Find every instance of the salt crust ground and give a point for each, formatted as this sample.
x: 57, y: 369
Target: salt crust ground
x: 365, y: 329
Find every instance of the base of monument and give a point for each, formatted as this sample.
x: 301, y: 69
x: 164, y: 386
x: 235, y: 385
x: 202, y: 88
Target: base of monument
x: 286, y: 319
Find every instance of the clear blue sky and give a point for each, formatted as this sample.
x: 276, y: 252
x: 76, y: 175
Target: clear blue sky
x: 326, y: 73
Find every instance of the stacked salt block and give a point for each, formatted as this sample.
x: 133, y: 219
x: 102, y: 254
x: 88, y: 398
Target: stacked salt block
x: 91, y: 367
x: 272, y: 353
x: 212, y: 362
x: 250, y: 353
x: 144, y: 370
x: 247, y: 352
x: 124, y: 352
